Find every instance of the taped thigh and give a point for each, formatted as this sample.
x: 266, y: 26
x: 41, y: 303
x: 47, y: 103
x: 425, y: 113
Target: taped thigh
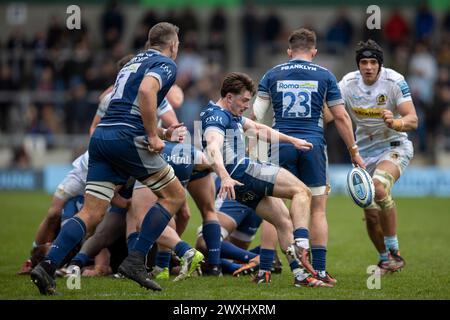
x: 101, y: 189
x: 160, y: 179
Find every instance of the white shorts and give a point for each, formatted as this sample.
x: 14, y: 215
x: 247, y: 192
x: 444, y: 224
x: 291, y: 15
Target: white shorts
x: 72, y: 185
x: 400, y: 155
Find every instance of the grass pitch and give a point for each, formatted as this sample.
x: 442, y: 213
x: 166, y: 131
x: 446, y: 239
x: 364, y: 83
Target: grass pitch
x: 424, y: 241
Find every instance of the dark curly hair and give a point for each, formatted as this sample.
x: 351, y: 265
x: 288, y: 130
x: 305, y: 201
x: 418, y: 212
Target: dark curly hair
x: 369, y: 49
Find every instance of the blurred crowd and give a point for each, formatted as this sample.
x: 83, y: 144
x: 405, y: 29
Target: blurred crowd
x: 50, y: 81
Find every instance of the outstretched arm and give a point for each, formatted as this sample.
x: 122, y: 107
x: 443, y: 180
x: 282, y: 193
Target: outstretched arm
x: 270, y: 135
x: 214, y: 141
x: 345, y: 128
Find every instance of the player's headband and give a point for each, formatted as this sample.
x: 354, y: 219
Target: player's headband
x: 368, y: 54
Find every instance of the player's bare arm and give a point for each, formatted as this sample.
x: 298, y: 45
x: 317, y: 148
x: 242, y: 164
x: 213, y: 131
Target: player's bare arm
x: 175, y: 96
x: 260, y: 107
x: 214, y: 142
x: 265, y: 132
x: 169, y: 118
x: 408, y: 120
x: 175, y: 133
x: 345, y: 128
x: 147, y: 104
x: 327, y: 115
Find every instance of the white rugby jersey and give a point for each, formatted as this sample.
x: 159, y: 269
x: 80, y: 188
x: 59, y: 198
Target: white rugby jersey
x: 80, y: 167
x: 104, y: 103
x: 365, y: 105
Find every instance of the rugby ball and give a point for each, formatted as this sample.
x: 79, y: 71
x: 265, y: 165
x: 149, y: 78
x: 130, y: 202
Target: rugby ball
x: 360, y: 187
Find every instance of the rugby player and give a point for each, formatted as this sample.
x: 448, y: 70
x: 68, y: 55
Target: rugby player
x: 124, y: 144
x: 297, y: 91
x: 253, y: 183
x: 379, y: 102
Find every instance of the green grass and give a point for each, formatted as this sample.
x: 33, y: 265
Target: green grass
x: 423, y: 232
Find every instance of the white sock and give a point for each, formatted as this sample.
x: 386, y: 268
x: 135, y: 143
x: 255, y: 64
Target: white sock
x: 302, y: 242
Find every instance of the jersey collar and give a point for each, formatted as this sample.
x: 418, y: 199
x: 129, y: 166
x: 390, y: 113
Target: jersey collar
x: 300, y: 60
x: 224, y: 110
x: 155, y: 51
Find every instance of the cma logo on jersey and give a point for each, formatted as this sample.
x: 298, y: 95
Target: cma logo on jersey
x: 214, y: 119
x: 167, y: 70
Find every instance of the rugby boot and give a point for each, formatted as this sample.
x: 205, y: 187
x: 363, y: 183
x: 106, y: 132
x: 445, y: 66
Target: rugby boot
x: 325, y: 277
x: 250, y: 267
x: 262, y: 277
x: 133, y: 268
x: 45, y: 282
x: 396, y: 262
x: 190, y: 262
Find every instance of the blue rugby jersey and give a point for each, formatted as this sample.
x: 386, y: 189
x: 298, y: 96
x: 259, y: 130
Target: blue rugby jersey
x: 123, y: 108
x: 215, y: 118
x: 182, y: 158
x: 298, y: 90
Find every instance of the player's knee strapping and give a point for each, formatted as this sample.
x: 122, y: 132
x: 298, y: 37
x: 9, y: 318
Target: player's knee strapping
x: 320, y: 191
x: 387, y: 180
x: 374, y: 205
x: 161, y: 179
x: 101, y: 189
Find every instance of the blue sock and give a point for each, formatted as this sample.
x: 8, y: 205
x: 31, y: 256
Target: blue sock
x: 301, y: 233
x: 181, y: 248
x: 256, y: 249
x: 266, y: 257
x: 163, y: 259
x: 131, y: 240
x: 231, y: 251
x: 319, y: 257
x: 229, y: 266
x: 154, y: 223
x: 294, y: 265
x: 384, y: 256
x: 211, y: 234
x: 391, y: 243
x: 70, y: 235
x: 81, y: 260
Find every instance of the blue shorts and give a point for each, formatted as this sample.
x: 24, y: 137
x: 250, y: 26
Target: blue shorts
x: 250, y: 224
x: 309, y: 166
x: 246, y: 219
x: 72, y: 207
x: 183, y: 158
x: 117, y: 152
x: 258, y: 179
